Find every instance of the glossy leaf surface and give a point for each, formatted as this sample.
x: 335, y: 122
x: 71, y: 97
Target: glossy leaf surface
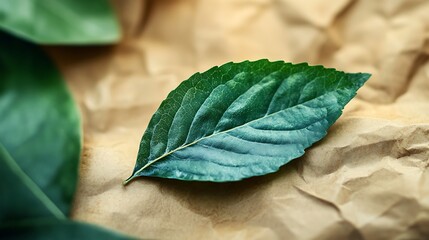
x: 243, y: 119
x: 60, y: 22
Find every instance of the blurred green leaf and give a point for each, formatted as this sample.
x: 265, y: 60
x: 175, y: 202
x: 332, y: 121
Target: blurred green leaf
x: 39, y: 124
x: 27, y: 213
x: 60, y: 22
x: 21, y: 197
x: 59, y: 229
x: 40, y: 142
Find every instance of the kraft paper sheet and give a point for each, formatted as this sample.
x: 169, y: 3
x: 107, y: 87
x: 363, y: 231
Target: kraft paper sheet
x: 368, y: 179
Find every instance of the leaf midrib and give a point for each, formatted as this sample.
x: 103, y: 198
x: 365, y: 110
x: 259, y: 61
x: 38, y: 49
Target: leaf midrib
x: 31, y: 185
x: 213, y: 135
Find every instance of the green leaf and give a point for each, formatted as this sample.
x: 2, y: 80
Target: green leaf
x: 22, y: 198
x: 27, y: 213
x: 40, y: 144
x: 60, y: 22
x: 59, y: 229
x: 39, y: 123
x: 243, y: 119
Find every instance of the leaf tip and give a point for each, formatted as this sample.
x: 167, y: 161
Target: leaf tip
x: 363, y: 77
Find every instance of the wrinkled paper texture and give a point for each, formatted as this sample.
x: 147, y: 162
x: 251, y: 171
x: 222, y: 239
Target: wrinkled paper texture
x: 368, y: 179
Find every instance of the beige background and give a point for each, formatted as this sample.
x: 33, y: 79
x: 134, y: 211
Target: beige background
x: 368, y: 179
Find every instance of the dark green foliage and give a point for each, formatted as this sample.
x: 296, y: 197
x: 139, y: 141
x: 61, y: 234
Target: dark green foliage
x: 243, y: 119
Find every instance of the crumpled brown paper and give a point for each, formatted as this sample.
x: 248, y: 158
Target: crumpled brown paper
x: 368, y: 179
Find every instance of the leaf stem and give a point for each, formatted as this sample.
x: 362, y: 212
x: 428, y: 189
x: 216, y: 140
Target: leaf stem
x: 125, y: 182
